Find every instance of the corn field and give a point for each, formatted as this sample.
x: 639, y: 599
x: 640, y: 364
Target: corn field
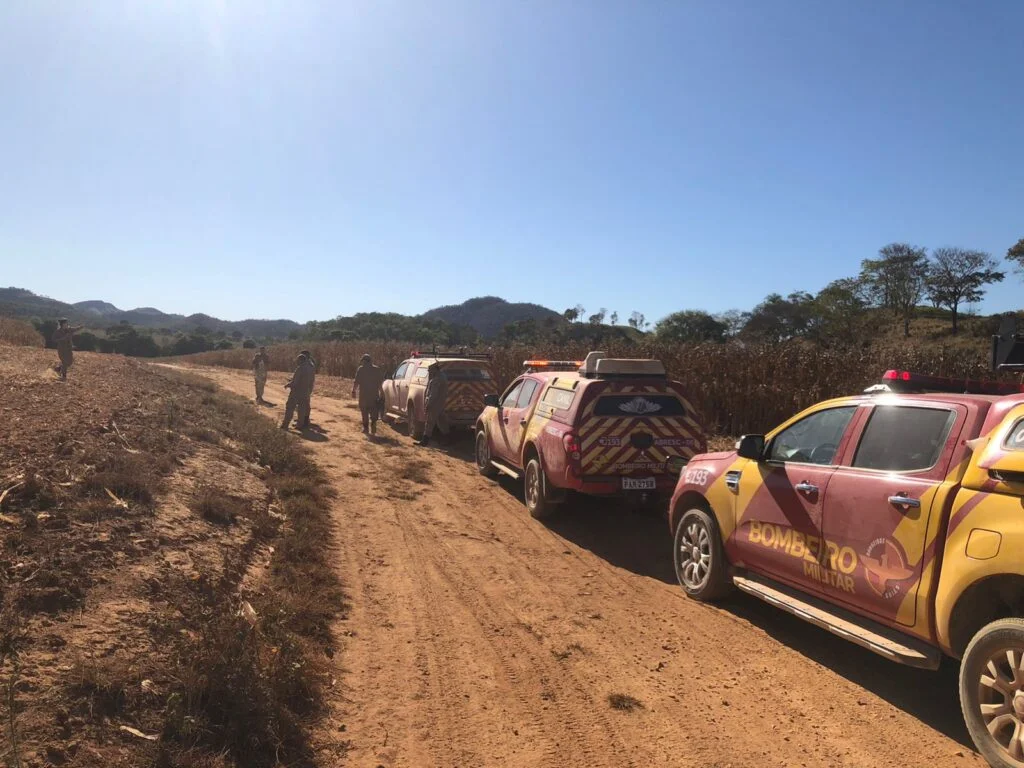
x: 737, y: 388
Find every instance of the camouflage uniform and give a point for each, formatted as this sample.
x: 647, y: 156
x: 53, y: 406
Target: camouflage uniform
x: 65, y: 350
x: 300, y: 390
x: 369, y: 380
x: 434, y: 401
x: 260, y: 364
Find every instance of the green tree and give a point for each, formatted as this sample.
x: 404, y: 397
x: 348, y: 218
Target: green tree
x: 248, y: 344
x: 571, y: 314
x: 778, y: 319
x: 840, y: 310
x: 614, y: 319
x: 959, y: 275
x: 896, y: 279
x: 598, y: 317
x: 638, y: 321
x: 1015, y: 254
x: 734, y: 321
x: 690, y: 326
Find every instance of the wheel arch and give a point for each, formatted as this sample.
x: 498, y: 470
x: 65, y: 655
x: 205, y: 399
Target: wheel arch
x: 689, y: 500
x: 986, y: 600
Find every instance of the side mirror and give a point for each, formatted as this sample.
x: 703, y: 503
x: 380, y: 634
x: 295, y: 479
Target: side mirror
x: 490, y: 401
x: 751, y: 447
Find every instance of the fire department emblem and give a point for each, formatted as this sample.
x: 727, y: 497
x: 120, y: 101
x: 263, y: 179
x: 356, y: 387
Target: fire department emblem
x: 885, y: 567
x: 639, y: 406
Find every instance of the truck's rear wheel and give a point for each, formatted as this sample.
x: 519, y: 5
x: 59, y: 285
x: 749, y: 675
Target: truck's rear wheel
x: 700, y: 558
x: 483, y: 455
x: 535, y: 491
x: 415, y: 427
x: 992, y: 692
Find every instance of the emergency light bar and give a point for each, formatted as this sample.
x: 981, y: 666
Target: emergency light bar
x: 907, y: 381
x: 552, y: 365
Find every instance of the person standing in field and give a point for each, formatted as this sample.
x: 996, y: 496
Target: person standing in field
x: 369, y: 381
x: 434, y: 401
x: 260, y: 365
x: 63, y: 342
x: 300, y: 390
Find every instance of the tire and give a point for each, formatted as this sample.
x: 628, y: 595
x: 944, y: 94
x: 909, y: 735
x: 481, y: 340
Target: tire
x: 415, y: 427
x: 699, y: 557
x: 535, y: 491
x: 1000, y: 644
x: 482, y: 452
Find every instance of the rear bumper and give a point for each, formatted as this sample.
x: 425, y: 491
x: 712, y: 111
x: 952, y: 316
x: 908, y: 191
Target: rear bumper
x: 611, y: 485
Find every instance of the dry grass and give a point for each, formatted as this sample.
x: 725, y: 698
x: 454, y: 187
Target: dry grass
x: 18, y: 333
x: 624, y: 702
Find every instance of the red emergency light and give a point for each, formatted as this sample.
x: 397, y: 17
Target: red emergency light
x: 907, y: 381
x: 553, y: 365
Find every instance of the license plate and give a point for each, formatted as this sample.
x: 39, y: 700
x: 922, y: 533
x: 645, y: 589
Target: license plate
x: 639, y: 484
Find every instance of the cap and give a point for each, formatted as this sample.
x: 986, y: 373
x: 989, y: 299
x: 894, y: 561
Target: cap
x: 306, y: 352
x: 366, y: 358
x: 62, y: 320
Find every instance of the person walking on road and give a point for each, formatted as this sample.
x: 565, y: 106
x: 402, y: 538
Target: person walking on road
x: 434, y: 401
x: 369, y: 381
x: 300, y: 390
x: 63, y: 342
x: 260, y: 365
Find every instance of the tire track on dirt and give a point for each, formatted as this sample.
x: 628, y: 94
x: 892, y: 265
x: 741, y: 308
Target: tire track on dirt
x: 478, y: 636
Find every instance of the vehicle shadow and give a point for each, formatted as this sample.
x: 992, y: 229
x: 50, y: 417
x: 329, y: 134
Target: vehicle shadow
x: 638, y: 541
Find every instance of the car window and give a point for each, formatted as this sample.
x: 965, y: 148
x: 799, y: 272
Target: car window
x: 903, y: 438
x: 468, y: 374
x: 422, y: 374
x: 528, y: 391
x: 814, y: 439
x: 400, y: 373
x: 559, y: 398
x: 511, y: 395
x: 1015, y: 440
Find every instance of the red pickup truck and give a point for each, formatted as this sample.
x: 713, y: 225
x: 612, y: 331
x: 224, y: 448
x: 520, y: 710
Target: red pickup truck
x: 894, y: 519
x: 602, y: 427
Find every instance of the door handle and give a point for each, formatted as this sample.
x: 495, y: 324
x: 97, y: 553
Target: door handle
x: 901, y: 500
x: 806, y: 487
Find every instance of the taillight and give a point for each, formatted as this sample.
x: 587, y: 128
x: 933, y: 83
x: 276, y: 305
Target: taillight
x: 572, y: 445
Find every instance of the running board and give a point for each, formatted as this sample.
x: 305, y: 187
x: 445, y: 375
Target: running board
x: 886, y: 642
x: 505, y: 470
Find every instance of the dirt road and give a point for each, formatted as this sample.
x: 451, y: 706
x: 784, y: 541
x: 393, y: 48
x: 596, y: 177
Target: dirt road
x: 480, y: 637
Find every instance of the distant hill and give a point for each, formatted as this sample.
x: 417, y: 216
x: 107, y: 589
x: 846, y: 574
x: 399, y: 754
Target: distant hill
x: 488, y: 315
x: 18, y: 302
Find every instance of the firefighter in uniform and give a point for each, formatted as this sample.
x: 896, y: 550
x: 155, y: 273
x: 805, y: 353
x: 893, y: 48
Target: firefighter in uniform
x: 300, y: 389
x: 434, y: 400
x: 260, y: 365
x: 369, y: 381
x: 65, y: 350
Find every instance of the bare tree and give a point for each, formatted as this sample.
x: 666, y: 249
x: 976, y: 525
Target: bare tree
x: 580, y: 312
x: 638, y: 321
x: 614, y: 319
x: 959, y: 275
x: 896, y: 280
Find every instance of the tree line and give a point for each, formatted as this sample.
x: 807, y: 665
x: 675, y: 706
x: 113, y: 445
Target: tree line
x: 898, y: 281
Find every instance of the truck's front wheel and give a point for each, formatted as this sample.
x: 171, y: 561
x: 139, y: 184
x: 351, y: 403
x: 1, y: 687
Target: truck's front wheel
x: 992, y: 692
x: 700, y: 557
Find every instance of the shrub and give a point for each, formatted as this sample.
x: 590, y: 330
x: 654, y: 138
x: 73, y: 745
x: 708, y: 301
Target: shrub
x: 19, y: 333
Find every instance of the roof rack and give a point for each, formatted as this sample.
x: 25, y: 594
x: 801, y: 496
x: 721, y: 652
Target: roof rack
x: 908, y: 382
x: 1008, y: 346
x: 460, y: 352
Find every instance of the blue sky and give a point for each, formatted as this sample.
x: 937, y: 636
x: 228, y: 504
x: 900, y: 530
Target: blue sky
x: 309, y: 159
